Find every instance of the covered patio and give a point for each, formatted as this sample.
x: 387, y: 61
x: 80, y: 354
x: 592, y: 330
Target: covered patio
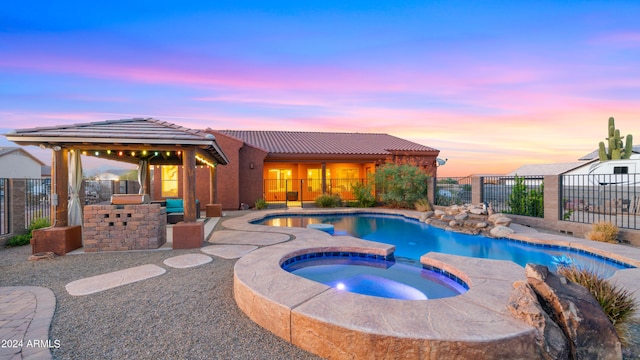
x: 142, y: 141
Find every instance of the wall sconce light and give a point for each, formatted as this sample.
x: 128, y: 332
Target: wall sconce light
x: 251, y: 166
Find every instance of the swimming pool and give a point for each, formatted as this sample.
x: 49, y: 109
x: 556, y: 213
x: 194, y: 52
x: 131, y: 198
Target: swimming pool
x: 413, y: 239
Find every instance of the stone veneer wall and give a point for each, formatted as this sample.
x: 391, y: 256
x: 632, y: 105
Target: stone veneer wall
x: 124, y: 227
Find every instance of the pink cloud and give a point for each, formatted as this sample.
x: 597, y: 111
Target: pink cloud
x: 624, y: 39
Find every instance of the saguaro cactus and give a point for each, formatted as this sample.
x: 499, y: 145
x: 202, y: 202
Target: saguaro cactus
x: 617, y: 148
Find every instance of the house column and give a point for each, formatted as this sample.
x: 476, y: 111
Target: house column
x: 324, y: 178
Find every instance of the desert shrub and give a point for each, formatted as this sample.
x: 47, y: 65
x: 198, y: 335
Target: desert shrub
x: 525, y: 201
x: 328, y: 201
x: 423, y: 205
x: 618, y: 303
x: 25, y: 239
x: 401, y: 185
x: 603, y: 231
x: 261, y: 204
x: 363, y: 192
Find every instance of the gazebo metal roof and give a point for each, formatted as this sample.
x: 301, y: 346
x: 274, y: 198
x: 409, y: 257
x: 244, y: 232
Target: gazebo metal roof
x: 127, y: 140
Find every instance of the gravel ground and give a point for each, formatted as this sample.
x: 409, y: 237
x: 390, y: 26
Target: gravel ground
x: 183, y: 314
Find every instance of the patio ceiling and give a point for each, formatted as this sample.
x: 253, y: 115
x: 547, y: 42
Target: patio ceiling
x: 127, y: 140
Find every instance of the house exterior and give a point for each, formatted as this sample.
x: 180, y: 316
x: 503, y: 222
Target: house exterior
x: 295, y: 166
x: 17, y: 163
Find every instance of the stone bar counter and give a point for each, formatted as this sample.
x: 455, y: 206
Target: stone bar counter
x: 124, y: 227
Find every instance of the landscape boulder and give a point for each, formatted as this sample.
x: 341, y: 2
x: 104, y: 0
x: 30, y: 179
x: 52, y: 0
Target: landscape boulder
x: 469, y: 219
x: 572, y: 307
x: 502, y: 221
x: 551, y: 343
x: 461, y: 216
x: 500, y: 231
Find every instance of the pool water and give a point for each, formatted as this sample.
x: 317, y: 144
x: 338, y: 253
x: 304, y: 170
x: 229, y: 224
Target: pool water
x: 376, y: 277
x: 413, y: 239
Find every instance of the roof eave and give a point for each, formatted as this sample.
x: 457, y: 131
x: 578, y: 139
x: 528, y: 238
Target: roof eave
x: 36, y: 140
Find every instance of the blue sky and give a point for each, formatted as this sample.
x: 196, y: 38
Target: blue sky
x: 492, y: 84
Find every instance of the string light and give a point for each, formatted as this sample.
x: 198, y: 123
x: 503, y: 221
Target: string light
x: 120, y: 153
x: 97, y: 153
x: 144, y: 152
x: 108, y: 152
x: 205, y: 161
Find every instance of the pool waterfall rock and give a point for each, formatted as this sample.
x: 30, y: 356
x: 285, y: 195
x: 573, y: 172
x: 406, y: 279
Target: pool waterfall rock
x: 470, y: 219
x: 570, y: 323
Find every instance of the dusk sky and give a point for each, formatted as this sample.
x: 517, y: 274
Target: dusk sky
x: 492, y: 84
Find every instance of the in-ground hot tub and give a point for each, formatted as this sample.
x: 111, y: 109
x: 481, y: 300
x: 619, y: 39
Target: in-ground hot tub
x: 375, y: 275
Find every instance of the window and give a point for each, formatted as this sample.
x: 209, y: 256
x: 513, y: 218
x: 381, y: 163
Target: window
x: 346, y: 178
x: 314, y: 179
x: 169, y: 181
x: 348, y: 174
x: 278, y: 179
x: 620, y: 169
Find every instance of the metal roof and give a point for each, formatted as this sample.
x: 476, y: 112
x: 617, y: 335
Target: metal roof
x: 327, y: 143
x: 546, y: 169
x: 128, y: 134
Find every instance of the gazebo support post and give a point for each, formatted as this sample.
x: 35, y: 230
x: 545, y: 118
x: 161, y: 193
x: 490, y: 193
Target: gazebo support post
x: 188, y: 234
x: 59, y: 238
x: 60, y: 188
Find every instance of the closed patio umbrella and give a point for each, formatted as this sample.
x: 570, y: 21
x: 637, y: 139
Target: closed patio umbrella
x: 75, y: 182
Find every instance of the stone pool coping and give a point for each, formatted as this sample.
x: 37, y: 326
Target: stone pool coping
x: 339, y: 324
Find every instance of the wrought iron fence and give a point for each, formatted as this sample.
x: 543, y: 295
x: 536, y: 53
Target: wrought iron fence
x: 307, y: 190
x: 4, y: 210
x: 37, y: 199
x: 594, y: 198
x: 520, y: 195
x: 453, y: 191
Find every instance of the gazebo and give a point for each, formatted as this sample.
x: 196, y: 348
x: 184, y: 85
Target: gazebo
x: 142, y: 141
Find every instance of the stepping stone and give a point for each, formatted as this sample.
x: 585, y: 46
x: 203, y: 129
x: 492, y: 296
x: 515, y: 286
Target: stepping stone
x: 228, y: 251
x: 247, y: 237
x: 187, y: 261
x: 114, y: 279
